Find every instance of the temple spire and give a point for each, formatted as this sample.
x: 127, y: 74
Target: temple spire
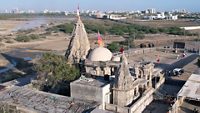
x: 123, y: 78
x: 78, y: 12
x: 79, y: 44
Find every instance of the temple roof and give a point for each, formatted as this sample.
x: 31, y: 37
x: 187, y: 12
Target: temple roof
x: 100, y: 54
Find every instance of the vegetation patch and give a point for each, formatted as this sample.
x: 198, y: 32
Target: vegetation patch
x: 27, y: 38
x: 66, y: 28
x: 54, y: 74
x: 114, y: 47
x: 120, y: 28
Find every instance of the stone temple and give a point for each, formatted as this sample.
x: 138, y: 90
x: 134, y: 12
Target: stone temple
x: 109, y: 79
x: 108, y: 83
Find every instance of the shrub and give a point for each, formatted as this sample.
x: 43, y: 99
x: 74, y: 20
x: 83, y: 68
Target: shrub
x: 34, y: 36
x: 54, y: 73
x: 27, y: 38
x: 113, y: 47
x: 22, y: 38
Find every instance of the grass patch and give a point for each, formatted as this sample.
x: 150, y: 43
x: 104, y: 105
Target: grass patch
x: 28, y: 38
x: 119, y: 28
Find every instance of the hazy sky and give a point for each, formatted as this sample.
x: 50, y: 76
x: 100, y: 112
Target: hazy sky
x: 70, y: 5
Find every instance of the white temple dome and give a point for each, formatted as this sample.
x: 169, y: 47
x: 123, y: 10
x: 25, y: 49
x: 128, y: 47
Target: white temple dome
x: 100, y: 54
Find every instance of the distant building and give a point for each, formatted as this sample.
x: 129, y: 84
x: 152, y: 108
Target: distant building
x: 161, y: 16
x: 100, y: 15
x: 152, y: 11
x: 172, y: 17
x: 179, y: 45
x: 45, y: 11
x: 117, y: 17
x: 15, y: 11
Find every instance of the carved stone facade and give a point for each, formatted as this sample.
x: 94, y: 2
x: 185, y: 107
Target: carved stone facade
x: 79, y: 44
x: 100, y: 68
x: 125, y: 86
x: 145, y: 70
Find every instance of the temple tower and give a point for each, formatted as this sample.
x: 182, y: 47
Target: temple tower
x: 124, y: 89
x: 79, y: 44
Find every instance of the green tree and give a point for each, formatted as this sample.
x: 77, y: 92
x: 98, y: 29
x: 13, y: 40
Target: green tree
x: 22, y: 38
x: 54, y: 73
x: 114, y: 47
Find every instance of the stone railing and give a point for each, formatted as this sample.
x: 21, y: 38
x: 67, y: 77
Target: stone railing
x: 136, y: 51
x: 146, y: 99
x: 174, y: 108
x: 117, y: 109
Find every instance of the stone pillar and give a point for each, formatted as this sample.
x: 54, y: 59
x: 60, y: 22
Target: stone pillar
x: 98, y: 71
x: 136, y: 68
x: 107, y: 71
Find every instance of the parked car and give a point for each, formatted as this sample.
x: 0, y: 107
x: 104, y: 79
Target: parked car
x: 178, y: 71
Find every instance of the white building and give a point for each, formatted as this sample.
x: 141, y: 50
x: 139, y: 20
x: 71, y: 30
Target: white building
x: 117, y: 17
x: 161, y: 16
x: 172, y: 17
x: 152, y: 11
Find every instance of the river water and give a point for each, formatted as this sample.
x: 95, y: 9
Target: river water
x: 38, y: 22
x: 31, y: 24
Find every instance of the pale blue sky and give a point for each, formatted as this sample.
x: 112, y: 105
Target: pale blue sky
x: 70, y: 5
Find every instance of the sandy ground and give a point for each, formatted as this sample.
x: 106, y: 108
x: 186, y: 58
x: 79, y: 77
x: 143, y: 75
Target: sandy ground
x: 3, y: 61
x: 51, y: 43
x: 162, y: 39
x: 59, y: 42
x: 166, y: 58
x: 7, y: 25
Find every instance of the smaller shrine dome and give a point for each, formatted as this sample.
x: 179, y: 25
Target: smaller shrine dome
x: 100, y: 54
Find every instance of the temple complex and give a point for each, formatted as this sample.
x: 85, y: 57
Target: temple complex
x: 109, y: 83
x: 109, y: 79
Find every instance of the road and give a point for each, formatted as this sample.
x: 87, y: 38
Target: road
x: 179, y: 63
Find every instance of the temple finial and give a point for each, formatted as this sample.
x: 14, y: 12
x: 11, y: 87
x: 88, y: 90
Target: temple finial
x: 78, y: 12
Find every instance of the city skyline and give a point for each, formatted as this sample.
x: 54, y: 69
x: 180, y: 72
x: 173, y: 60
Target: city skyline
x: 71, y: 5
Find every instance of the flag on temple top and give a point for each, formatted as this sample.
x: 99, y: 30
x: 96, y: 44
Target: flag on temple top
x: 100, y: 40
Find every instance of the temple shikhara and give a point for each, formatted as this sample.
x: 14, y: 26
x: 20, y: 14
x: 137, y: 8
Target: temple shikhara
x: 79, y: 44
